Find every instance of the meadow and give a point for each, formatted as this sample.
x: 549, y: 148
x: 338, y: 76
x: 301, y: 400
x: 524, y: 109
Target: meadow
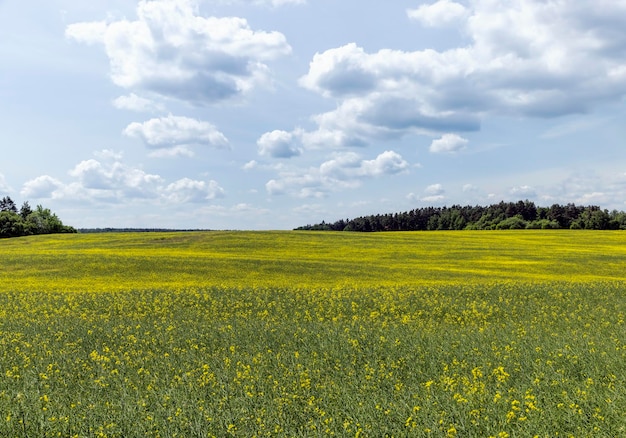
x: 199, y: 334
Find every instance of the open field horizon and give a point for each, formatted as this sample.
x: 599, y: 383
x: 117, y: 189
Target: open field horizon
x: 118, y: 261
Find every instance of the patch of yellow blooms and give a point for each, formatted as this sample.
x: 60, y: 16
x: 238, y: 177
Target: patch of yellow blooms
x: 494, y: 334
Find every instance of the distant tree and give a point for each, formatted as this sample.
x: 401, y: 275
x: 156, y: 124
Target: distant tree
x: 512, y: 223
x: 7, y: 204
x: 504, y: 215
x: 28, y: 221
x: 25, y: 210
x: 543, y: 224
x: 618, y: 220
x: 11, y: 224
x: 556, y: 213
x: 43, y: 221
x: 597, y: 220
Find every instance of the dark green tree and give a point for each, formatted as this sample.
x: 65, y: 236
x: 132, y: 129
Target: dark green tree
x: 11, y: 224
x: 43, y: 221
x: 512, y: 223
x: 25, y: 210
x: 7, y: 204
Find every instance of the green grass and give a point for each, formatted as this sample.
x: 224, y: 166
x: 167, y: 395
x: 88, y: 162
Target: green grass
x: 314, y: 334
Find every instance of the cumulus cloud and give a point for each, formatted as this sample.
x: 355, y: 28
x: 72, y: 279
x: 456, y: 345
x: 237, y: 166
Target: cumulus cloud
x: 441, y: 13
x: 111, y: 178
x: 108, y: 179
x: 172, y: 51
x: 433, y: 194
x: 43, y: 186
x: 433, y: 199
x: 279, y: 144
x: 343, y: 171
x: 387, y: 163
x: 434, y: 189
x: 188, y: 190
x: 132, y: 102
x: 303, y: 186
x: 448, y: 143
x: 527, y: 58
x: 172, y: 135
x: 349, y: 165
x: 252, y: 164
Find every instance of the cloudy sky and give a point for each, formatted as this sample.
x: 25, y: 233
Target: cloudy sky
x: 270, y: 114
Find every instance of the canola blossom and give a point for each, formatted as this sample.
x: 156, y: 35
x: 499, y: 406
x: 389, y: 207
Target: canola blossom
x: 314, y: 334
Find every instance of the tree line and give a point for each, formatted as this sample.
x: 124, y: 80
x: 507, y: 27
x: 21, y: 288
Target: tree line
x: 26, y: 221
x: 501, y: 216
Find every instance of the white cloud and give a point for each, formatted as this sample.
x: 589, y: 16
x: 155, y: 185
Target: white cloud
x: 433, y: 199
x: 176, y: 151
x: 525, y: 58
x: 110, y: 180
x: 89, y: 33
x: 343, y: 166
x: 188, y: 190
x: 132, y: 102
x: 349, y: 165
x: 448, y: 143
x: 174, y: 134
x: 279, y: 144
x: 387, y: 163
x: 302, y: 185
x: 432, y: 194
x: 113, y: 179
x: 252, y: 164
x: 344, y: 171
x: 43, y: 186
x: 441, y: 13
x: 172, y: 51
x: 434, y: 189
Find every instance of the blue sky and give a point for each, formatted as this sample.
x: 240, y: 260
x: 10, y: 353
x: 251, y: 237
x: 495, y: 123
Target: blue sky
x: 270, y: 114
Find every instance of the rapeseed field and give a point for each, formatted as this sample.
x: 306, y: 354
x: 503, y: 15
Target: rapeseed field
x: 251, y: 334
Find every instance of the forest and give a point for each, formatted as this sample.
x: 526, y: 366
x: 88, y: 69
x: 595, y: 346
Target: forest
x: 26, y: 221
x: 501, y: 216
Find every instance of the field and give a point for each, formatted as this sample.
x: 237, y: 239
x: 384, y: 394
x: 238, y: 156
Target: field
x: 440, y: 334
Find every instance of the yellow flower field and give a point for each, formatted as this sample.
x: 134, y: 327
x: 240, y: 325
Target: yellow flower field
x: 124, y: 261
x: 503, y: 334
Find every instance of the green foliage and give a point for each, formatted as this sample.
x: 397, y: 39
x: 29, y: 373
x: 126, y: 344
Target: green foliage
x: 513, y: 223
x: 25, y: 210
x: 7, y: 204
x: 512, y: 215
x: 27, y: 221
x: 11, y: 224
x: 544, y: 224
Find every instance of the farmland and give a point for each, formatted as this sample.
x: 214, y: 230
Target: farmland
x: 314, y: 334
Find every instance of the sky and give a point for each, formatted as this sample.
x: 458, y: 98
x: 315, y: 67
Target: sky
x: 271, y: 114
